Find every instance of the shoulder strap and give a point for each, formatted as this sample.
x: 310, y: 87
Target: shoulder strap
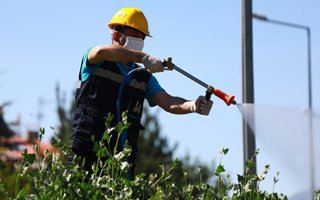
x: 80, y: 68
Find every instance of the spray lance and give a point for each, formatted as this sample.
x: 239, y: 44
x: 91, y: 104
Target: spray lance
x: 228, y: 99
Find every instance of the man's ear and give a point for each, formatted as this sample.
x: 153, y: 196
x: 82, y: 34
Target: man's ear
x: 116, y: 36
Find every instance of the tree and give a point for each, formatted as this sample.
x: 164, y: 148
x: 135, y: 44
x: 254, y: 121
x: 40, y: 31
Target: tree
x: 5, y: 131
x: 65, y: 118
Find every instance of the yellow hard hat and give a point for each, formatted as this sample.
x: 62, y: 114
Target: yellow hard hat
x: 132, y: 17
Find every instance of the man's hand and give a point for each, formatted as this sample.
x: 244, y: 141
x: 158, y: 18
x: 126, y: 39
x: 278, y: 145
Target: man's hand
x: 201, y: 106
x: 152, y: 64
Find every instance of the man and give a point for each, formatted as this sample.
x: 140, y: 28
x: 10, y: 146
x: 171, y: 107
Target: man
x: 112, y: 82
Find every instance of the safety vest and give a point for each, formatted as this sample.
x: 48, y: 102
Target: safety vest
x: 97, y: 97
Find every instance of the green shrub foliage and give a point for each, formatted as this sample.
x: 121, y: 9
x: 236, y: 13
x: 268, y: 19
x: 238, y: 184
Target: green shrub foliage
x: 52, y: 177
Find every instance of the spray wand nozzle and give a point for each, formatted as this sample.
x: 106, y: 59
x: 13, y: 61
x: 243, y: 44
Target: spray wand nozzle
x: 228, y: 99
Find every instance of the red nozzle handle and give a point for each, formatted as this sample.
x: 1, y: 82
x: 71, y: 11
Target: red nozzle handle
x: 228, y: 99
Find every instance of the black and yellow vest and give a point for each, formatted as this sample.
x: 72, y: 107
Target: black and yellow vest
x: 98, y: 96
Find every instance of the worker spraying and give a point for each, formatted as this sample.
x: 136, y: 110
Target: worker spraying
x: 111, y: 81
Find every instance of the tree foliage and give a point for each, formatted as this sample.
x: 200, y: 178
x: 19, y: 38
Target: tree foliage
x: 5, y: 131
x: 65, y: 117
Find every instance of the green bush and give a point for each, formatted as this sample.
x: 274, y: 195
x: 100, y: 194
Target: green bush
x: 52, y: 177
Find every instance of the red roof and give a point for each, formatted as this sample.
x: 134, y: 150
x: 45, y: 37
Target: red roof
x: 16, y: 154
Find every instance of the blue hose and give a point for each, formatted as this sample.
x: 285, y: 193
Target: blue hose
x: 124, y: 135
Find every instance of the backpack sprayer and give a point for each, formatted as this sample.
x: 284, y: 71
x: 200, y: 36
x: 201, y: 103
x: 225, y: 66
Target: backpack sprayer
x: 228, y: 99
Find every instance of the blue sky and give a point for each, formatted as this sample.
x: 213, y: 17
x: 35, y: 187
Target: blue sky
x: 42, y: 44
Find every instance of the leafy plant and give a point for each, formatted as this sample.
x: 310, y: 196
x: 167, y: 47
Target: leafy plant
x: 317, y: 194
x: 53, y: 177
x: 155, y: 151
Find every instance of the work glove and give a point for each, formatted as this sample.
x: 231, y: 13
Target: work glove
x: 152, y: 64
x: 201, y: 106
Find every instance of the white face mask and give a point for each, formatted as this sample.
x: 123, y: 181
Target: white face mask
x: 134, y: 43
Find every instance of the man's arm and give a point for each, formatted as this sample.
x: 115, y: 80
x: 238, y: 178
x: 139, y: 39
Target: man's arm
x: 114, y: 53
x: 178, y: 105
x: 117, y: 53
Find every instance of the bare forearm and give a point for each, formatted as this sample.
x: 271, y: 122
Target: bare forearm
x: 114, y: 53
x: 175, y: 105
x: 179, y: 106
